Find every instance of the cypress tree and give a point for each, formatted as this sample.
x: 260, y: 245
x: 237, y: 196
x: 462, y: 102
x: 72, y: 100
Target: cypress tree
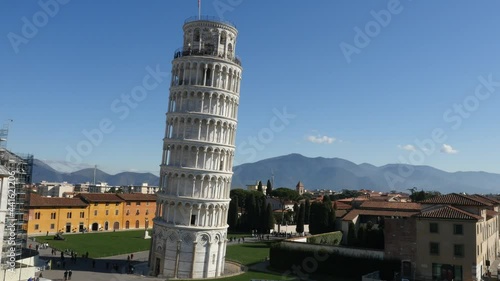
x: 250, y: 212
x: 232, y: 218
x: 300, y: 220
x: 263, y: 218
x: 259, y: 188
x: 319, y: 218
x: 331, y: 220
x: 269, y: 188
x: 307, y: 211
x: 270, y: 218
x: 351, y: 235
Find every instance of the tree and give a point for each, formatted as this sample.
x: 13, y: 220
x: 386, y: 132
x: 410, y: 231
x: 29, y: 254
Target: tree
x: 270, y: 218
x: 295, y: 212
x: 300, y: 219
x: 269, y: 188
x: 331, y: 220
x: 232, y: 218
x: 307, y: 211
x: 251, y: 212
x: 263, y: 217
x: 351, y: 235
x: 240, y: 195
x: 259, y: 187
x: 319, y: 218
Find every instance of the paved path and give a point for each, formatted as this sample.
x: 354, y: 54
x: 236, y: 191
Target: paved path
x: 84, y: 270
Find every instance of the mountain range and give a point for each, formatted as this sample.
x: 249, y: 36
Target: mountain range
x: 314, y: 173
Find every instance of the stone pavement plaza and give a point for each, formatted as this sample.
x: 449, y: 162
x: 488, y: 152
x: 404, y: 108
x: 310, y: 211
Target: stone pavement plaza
x: 83, y: 269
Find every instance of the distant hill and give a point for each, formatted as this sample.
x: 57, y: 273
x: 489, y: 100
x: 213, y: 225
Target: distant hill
x: 337, y: 174
x: 42, y: 171
x: 315, y: 173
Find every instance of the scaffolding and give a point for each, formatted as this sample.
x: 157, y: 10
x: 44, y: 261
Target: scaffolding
x: 21, y: 165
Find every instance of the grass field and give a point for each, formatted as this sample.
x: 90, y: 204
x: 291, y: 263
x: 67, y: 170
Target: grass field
x: 101, y: 244
x: 248, y: 253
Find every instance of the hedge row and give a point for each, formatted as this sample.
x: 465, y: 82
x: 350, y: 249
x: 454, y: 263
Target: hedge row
x: 331, y: 238
x: 322, y: 262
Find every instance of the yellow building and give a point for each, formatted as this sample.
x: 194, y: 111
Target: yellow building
x: 51, y: 215
x: 105, y: 211
x: 139, y: 210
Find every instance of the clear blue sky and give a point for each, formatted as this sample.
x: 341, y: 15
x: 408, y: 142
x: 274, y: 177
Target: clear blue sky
x: 371, y: 105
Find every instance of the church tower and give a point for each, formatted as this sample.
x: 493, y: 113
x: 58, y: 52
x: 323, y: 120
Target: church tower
x: 190, y: 226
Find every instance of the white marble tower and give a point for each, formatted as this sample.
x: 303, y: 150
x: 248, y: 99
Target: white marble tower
x: 190, y: 227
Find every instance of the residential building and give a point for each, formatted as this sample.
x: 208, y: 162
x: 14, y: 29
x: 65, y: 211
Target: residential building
x: 50, y: 215
x: 255, y: 187
x: 457, y: 237
x: 104, y: 211
x: 54, y: 189
x: 138, y: 210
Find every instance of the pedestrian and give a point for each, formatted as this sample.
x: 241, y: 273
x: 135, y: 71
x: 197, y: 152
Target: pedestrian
x: 47, y: 233
x: 131, y: 256
x: 128, y: 258
x: 93, y: 263
x: 66, y: 275
x: 69, y: 274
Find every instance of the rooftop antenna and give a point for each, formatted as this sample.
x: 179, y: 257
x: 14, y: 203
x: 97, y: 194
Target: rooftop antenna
x: 4, y: 133
x: 199, y: 9
x: 95, y: 169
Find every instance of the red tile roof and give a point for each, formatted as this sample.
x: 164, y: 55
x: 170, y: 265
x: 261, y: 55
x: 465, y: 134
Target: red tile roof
x: 491, y: 214
x: 381, y: 205
x: 342, y: 205
x: 457, y: 199
x: 100, y: 197
x: 137, y: 197
x: 447, y: 212
x: 358, y: 212
x: 36, y: 200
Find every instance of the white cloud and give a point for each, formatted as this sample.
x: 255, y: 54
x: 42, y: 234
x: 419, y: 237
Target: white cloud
x: 321, y: 139
x: 446, y: 148
x: 407, y: 147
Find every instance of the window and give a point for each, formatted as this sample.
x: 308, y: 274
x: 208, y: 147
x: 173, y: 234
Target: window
x: 458, y: 229
x: 68, y: 215
x: 116, y: 212
x: 53, y: 216
x: 52, y: 226
x: 138, y: 203
x: 147, y: 203
x: 137, y: 212
x: 147, y: 212
x: 95, y: 212
x: 95, y: 204
x: 82, y: 215
x: 433, y: 227
x: 107, y: 204
x: 117, y: 204
x: 193, y: 219
x: 434, y: 248
x: 37, y: 226
x: 37, y: 215
x: 128, y: 212
x: 128, y: 203
x: 107, y: 212
x: 458, y: 250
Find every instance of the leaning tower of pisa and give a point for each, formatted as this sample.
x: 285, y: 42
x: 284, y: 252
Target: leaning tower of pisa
x: 190, y: 226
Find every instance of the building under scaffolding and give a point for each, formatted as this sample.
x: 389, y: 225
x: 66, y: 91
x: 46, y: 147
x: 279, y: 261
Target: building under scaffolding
x: 21, y: 167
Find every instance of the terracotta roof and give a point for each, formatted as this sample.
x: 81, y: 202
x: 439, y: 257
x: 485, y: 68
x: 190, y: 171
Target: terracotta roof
x: 342, y: 206
x: 36, y: 200
x: 100, y: 197
x: 381, y: 205
x: 137, y: 197
x: 491, y: 214
x: 486, y: 199
x: 447, y: 212
x: 341, y: 213
x: 457, y: 199
x: 358, y: 212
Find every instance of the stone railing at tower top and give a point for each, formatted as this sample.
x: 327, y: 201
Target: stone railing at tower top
x: 181, y: 52
x: 209, y: 18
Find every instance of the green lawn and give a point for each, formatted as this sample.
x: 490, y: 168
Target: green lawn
x: 248, y: 253
x: 101, y: 244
